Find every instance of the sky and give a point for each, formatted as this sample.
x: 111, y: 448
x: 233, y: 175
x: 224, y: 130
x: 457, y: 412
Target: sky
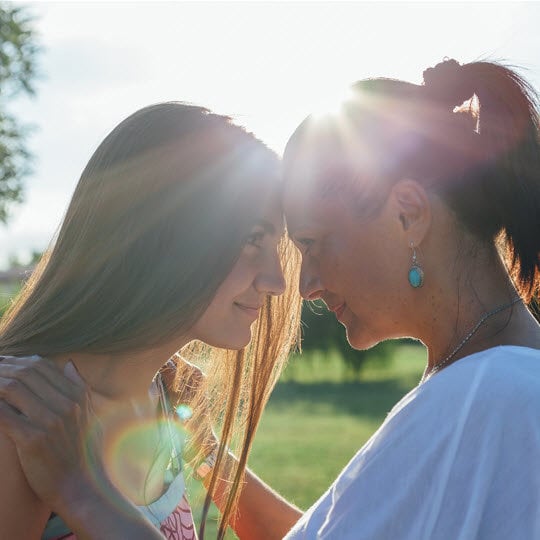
x: 266, y: 64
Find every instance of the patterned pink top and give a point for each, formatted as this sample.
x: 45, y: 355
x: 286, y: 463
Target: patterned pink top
x: 179, y: 525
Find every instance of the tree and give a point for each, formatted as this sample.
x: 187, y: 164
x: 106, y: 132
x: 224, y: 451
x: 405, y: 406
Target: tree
x: 321, y: 331
x: 18, y: 67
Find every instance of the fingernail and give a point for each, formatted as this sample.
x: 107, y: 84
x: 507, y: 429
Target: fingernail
x: 71, y: 372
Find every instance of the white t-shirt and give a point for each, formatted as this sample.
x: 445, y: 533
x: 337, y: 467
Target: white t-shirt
x: 458, y: 458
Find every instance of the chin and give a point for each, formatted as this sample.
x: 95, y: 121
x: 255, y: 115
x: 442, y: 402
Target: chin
x: 360, y: 341
x: 234, y: 342
x: 238, y: 345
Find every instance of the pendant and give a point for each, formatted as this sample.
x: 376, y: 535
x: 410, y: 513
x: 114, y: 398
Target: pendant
x: 416, y: 276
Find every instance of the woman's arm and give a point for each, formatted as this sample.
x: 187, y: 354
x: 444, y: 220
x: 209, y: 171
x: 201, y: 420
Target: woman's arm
x: 22, y: 514
x: 262, y: 513
x: 47, y: 458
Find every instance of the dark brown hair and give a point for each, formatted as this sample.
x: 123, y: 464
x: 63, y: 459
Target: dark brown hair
x: 470, y: 133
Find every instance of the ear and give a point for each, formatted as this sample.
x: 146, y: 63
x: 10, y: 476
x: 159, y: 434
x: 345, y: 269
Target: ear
x: 411, y: 208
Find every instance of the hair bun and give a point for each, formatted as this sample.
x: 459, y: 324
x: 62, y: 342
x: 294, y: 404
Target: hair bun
x: 447, y: 83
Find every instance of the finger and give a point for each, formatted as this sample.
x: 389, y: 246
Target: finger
x: 12, y: 424
x: 41, y: 376
x: 49, y: 370
x: 72, y: 373
x: 41, y: 418
x: 45, y: 366
x: 40, y: 408
x: 25, y: 360
x: 41, y: 385
x: 10, y: 359
x: 26, y: 389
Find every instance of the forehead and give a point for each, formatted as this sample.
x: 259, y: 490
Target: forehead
x: 333, y: 189
x: 307, y: 208
x: 271, y: 212
x: 319, y: 164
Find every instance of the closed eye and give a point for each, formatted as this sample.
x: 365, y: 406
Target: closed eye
x: 255, y: 239
x: 304, y: 243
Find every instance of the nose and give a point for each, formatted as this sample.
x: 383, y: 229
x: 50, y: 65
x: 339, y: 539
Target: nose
x: 310, y: 282
x: 270, y: 279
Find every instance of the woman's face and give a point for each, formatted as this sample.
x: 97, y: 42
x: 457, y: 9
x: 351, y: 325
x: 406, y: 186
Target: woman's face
x: 355, y: 266
x: 227, y: 321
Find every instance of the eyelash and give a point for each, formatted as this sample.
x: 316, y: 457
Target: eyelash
x: 306, y: 244
x: 255, y: 239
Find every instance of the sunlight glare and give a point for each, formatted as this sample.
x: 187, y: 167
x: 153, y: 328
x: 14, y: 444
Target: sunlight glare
x: 331, y: 103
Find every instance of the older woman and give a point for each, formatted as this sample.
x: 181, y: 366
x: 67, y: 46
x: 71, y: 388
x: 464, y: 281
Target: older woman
x: 417, y: 212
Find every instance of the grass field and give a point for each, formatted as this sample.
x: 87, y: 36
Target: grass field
x: 314, y: 424
x: 7, y: 291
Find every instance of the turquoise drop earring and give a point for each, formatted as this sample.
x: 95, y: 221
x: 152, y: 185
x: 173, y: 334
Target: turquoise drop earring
x: 416, y: 274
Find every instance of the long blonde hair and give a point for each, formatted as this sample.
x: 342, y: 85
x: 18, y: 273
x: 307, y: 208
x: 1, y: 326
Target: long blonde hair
x: 155, y: 224
x: 247, y: 378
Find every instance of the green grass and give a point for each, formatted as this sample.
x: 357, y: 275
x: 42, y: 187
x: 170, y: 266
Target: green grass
x: 7, y: 292
x: 314, y: 423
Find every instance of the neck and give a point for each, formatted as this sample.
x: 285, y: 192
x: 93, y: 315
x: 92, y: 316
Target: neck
x: 474, y: 311
x: 122, y: 376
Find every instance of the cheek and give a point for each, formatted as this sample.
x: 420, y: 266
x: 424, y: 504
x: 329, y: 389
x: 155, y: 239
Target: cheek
x: 339, y: 263
x: 238, y: 280
x: 353, y: 268
x: 332, y: 271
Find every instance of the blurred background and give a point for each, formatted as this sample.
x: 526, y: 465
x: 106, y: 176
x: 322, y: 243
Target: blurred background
x: 70, y: 71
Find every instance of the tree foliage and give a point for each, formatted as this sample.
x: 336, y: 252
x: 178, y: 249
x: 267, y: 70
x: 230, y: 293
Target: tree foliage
x: 321, y: 331
x: 18, y: 67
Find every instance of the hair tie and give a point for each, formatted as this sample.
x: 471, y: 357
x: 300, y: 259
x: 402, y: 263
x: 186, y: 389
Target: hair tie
x: 447, y: 83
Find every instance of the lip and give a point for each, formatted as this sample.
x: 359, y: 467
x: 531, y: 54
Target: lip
x: 338, y: 310
x: 253, y: 311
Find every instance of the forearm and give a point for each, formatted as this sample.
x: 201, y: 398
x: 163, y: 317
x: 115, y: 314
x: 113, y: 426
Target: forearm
x: 262, y: 513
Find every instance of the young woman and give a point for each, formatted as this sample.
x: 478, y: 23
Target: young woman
x: 174, y: 234
x: 417, y: 212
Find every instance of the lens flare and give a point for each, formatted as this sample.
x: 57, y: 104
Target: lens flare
x: 139, y: 455
x: 330, y: 104
x: 184, y: 412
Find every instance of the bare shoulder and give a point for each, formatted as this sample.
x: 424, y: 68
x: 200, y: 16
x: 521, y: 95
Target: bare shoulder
x: 22, y: 514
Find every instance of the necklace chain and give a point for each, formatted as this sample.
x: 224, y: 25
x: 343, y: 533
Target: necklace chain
x: 437, y: 367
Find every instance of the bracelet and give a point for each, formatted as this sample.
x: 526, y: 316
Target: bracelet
x: 206, y: 466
